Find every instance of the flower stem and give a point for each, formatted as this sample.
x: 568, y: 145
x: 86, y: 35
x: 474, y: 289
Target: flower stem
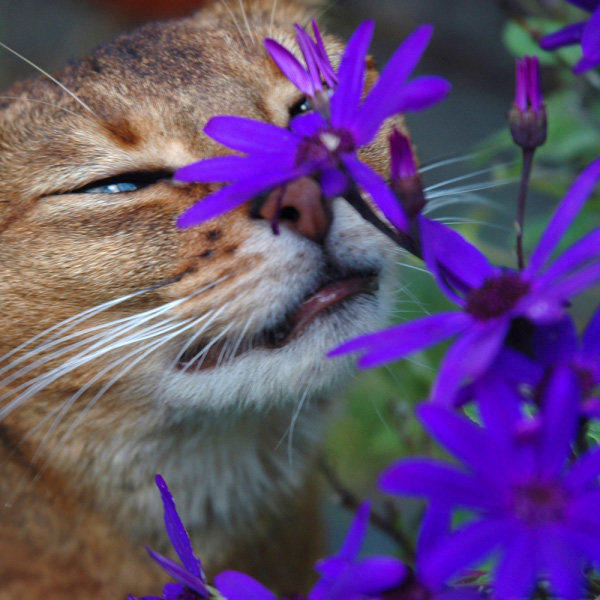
x: 404, y: 240
x: 521, y: 201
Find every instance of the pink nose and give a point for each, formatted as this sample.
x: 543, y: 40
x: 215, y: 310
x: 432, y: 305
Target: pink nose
x: 302, y: 209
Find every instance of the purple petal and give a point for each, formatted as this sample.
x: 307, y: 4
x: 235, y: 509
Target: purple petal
x: 177, y: 533
x: 465, y: 547
x: 233, y: 195
x: 233, y: 168
x: 591, y: 336
x: 469, y: 358
x: 556, y: 342
x: 324, y: 62
x: 351, y: 76
x: 396, y: 342
x: 308, y: 124
x: 449, y: 255
x: 376, y: 574
x: 590, y: 40
x: 178, y: 572
x: 585, y: 471
x: 247, y: 135
x: 174, y: 591
x: 461, y: 592
x: 310, y: 55
x: 422, y: 93
x: 239, y: 586
x: 356, y: 534
x: 564, y: 215
x: 585, y: 64
x: 290, y: 66
x: 463, y: 439
x: 379, y: 191
x: 434, y: 528
x: 515, y: 572
x: 440, y: 482
x: 582, y: 251
x: 567, y: 36
x: 563, y: 563
x: 333, y: 183
x: 560, y: 413
x: 383, y: 97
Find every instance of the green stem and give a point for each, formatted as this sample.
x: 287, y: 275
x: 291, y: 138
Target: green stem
x: 521, y: 201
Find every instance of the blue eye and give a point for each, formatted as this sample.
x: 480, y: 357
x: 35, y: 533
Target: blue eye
x: 113, y: 188
x: 126, y: 182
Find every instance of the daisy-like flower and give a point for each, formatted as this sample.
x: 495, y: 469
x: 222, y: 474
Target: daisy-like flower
x: 315, y: 145
x: 490, y: 297
x: 192, y: 582
x: 533, y: 508
x: 586, y: 33
x: 343, y: 576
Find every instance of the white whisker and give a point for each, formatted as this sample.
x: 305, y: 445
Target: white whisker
x: 463, y: 177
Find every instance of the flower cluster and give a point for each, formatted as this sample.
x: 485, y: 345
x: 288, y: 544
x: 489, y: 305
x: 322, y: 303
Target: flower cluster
x: 525, y: 493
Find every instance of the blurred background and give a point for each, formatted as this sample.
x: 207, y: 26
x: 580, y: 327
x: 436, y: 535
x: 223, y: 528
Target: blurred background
x: 475, y: 190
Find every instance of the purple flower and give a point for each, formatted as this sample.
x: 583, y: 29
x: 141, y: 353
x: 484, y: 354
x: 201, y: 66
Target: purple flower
x: 527, y: 118
x: 192, y: 583
x: 489, y: 297
x: 534, y: 509
x: 315, y: 145
x: 586, y: 33
x: 343, y: 576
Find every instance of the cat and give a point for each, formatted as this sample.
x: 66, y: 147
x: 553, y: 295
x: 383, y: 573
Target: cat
x: 131, y: 347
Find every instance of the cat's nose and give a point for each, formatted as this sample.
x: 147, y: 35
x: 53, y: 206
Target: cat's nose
x: 301, y: 207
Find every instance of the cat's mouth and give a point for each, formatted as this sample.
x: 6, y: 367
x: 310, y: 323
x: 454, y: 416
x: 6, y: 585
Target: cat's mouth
x: 329, y: 295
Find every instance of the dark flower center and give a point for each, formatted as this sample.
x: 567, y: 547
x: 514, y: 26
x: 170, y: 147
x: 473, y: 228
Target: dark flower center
x: 496, y: 296
x: 326, y: 146
x: 539, y: 502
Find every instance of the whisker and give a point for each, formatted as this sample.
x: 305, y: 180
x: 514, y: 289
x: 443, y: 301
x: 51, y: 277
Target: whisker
x: 247, y: 23
x: 58, y: 83
x: 272, y: 20
x: 447, y: 161
x: 467, y: 176
x: 235, y: 22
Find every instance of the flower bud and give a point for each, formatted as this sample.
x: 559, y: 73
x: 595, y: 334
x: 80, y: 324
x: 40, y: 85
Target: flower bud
x: 527, y: 117
x: 406, y: 181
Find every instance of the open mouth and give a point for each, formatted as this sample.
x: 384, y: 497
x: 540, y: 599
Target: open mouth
x: 332, y: 293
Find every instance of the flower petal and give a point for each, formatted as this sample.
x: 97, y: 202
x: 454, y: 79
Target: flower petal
x: 375, y: 575
x: 177, y: 532
x: 232, y: 168
x: 233, y: 195
x: 515, y: 573
x: 324, y: 63
x: 567, y: 36
x: 356, y: 534
x: 469, y: 358
x: 463, y: 439
x: 562, y: 560
x: 555, y: 342
x: 239, y: 586
x: 396, y: 342
x: 591, y: 336
x: 379, y: 191
x: 308, y: 49
x: 585, y: 470
x: 585, y: 64
x: 333, y: 183
x: 247, y: 135
x: 467, y: 546
x: 456, y: 264
x: 560, y: 414
x: 590, y: 40
x: 564, y: 215
x: 440, y: 482
x: 178, y: 572
x: 290, y: 66
x: 351, y: 76
x: 435, y: 526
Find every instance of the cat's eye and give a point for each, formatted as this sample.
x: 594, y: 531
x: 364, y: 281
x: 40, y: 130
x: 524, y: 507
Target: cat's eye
x: 121, y: 184
x: 300, y: 107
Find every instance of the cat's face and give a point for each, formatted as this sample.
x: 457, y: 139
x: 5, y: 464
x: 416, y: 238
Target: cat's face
x: 165, y: 320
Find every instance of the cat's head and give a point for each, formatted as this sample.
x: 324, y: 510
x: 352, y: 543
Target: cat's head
x: 117, y: 308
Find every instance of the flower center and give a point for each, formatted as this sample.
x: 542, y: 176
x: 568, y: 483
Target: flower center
x: 326, y: 146
x: 538, y: 502
x: 496, y: 296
